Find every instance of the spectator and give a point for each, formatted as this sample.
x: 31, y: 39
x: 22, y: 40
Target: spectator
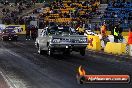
x: 2, y: 2
x: 28, y: 32
x: 103, y: 30
x: 80, y: 30
x: 51, y: 11
x: 33, y: 32
x: 3, y: 11
x: 65, y: 15
x: 33, y: 1
x: 6, y: 2
x: 116, y: 34
x: 130, y: 35
x: 120, y: 33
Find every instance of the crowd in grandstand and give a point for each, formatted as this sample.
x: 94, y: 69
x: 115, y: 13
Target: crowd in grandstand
x: 10, y: 16
x: 119, y: 11
x: 75, y: 13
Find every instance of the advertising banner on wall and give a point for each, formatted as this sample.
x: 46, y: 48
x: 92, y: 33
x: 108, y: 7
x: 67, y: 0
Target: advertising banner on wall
x: 20, y: 29
x: 2, y: 26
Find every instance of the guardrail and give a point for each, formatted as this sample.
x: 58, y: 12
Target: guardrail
x: 115, y: 48
x: 94, y: 43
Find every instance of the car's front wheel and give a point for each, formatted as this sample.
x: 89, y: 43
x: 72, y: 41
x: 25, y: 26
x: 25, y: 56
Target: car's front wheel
x: 15, y: 39
x: 39, y: 50
x: 67, y: 52
x: 3, y: 39
x: 82, y: 52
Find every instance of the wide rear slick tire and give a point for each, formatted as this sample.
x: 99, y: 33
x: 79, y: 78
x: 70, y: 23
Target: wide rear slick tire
x: 66, y: 52
x: 82, y: 52
x: 39, y: 50
x: 50, y: 52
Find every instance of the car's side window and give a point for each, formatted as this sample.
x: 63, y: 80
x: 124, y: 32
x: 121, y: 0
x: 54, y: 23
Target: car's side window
x: 41, y: 33
x: 44, y: 33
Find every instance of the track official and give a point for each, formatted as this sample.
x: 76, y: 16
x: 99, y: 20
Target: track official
x: 80, y: 30
x: 116, y: 34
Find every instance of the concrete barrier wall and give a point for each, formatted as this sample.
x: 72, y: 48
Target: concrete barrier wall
x: 126, y: 38
x: 109, y: 33
x: 94, y: 43
x: 115, y: 48
x: 129, y: 49
x: 19, y: 30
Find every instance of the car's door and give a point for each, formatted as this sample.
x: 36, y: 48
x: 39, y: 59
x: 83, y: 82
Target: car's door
x: 43, y: 39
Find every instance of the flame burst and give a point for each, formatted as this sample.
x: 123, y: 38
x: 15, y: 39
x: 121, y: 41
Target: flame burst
x: 81, y: 71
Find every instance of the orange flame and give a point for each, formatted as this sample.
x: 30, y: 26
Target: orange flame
x: 81, y: 71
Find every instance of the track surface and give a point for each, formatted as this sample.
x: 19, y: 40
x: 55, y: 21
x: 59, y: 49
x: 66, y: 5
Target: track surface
x: 24, y: 68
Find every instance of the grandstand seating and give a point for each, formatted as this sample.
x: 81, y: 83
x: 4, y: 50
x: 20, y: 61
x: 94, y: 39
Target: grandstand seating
x: 119, y: 12
x: 66, y: 10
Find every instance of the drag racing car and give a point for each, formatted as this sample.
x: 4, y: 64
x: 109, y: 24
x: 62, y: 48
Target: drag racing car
x: 8, y: 34
x: 60, y: 39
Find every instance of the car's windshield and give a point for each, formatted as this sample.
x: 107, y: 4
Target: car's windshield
x: 8, y: 31
x: 73, y: 31
x: 59, y: 30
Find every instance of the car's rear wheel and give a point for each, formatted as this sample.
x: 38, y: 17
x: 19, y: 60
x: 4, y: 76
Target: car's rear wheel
x: 3, y: 39
x: 15, y: 39
x: 39, y: 50
x: 50, y: 52
x: 82, y: 52
x: 67, y: 52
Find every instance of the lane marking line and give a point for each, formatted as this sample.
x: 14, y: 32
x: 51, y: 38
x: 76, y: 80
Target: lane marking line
x: 7, y: 80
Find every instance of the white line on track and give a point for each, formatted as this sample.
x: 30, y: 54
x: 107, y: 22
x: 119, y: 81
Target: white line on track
x: 7, y: 79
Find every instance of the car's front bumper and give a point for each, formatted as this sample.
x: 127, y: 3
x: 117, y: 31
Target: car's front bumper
x: 74, y: 47
x: 9, y: 37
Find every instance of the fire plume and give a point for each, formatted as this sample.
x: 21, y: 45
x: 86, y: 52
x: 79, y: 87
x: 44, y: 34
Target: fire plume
x: 81, y: 71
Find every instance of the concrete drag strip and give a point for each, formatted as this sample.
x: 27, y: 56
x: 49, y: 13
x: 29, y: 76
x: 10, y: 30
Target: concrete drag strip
x: 9, y: 77
x: 41, y: 71
x: 4, y: 79
x: 7, y: 80
x: 32, y: 71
